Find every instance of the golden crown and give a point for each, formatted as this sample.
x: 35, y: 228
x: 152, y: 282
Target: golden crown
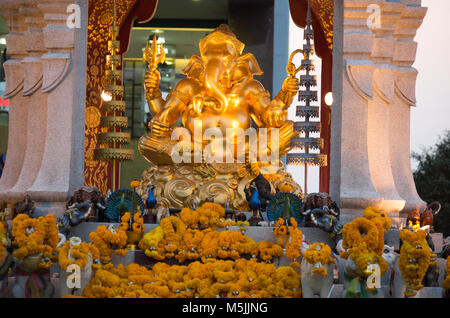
x: 222, y: 34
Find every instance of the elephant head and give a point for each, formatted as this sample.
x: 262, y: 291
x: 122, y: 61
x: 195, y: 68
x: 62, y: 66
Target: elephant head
x: 221, y: 64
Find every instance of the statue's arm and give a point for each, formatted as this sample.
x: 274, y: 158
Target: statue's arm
x: 288, y: 91
x: 264, y: 111
x: 153, y: 93
x: 177, y: 102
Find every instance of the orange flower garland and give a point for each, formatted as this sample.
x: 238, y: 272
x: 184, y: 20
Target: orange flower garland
x: 280, y: 227
x: 36, y: 236
x: 2, y: 248
x: 414, y: 261
x: 107, y: 241
x: 319, y: 253
x: 80, y: 254
x: 363, y: 257
x: 446, y: 281
x: 358, y: 231
x: 125, y: 221
x: 269, y: 250
x: 242, y: 278
x: 295, y: 241
x: 381, y: 221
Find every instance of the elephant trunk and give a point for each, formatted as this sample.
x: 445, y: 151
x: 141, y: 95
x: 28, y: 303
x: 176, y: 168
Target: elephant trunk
x: 214, y: 71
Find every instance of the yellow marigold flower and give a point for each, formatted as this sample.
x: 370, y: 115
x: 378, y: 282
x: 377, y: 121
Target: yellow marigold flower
x: 134, y: 184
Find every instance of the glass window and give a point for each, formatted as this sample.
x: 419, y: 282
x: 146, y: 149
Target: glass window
x: 179, y: 45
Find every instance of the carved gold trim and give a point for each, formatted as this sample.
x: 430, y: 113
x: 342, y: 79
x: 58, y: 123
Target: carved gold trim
x: 122, y: 138
x: 114, y: 121
x: 114, y: 105
x: 310, y: 159
x: 311, y: 143
x: 114, y: 154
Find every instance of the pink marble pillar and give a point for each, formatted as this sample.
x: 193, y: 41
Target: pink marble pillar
x: 405, y: 97
x: 379, y: 110
x: 351, y: 181
x: 14, y: 70
x: 64, y: 81
x: 37, y: 101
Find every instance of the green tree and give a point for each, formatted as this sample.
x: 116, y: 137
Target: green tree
x: 432, y: 178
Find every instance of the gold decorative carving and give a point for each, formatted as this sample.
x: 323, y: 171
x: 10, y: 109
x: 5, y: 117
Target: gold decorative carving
x: 185, y: 185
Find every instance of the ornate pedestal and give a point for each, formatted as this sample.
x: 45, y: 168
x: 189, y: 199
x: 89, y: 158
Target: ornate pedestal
x: 187, y: 185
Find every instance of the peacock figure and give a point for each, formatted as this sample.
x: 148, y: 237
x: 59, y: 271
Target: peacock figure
x: 121, y: 201
x: 150, y: 202
x: 255, y: 204
x: 285, y: 205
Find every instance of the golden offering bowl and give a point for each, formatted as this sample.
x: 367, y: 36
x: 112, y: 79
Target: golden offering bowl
x: 31, y: 263
x: 282, y: 240
x: 133, y: 238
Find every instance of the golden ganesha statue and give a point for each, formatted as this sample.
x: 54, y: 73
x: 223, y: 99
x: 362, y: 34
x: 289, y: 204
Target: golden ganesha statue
x: 214, y: 156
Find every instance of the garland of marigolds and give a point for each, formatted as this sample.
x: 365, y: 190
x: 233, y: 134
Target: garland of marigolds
x: 79, y: 254
x: 209, y: 215
x: 2, y: 248
x: 107, y: 241
x: 36, y: 236
x: 415, y: 258
x: 193, y: 236
x: 446, y: 281
x: 381, y: 221
x: 295, y: 242
x: 362, y: 240
x: 137, y: 225
x: 319, y: 253
x: 358, y: 231
x: 214, y: 279
x: 134, y: 230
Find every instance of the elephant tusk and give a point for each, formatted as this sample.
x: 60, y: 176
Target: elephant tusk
x: 306, y: 212
x: 313, y: 219
x: 100, y: 205
x: 62, y: 240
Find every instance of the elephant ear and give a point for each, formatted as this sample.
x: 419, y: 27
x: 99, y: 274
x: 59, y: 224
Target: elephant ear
x: 194, y: 67
x: 249, y: 60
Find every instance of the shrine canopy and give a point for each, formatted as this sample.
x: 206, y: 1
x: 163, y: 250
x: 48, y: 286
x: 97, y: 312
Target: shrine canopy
x: 322, y: 12
x: 322, y: 15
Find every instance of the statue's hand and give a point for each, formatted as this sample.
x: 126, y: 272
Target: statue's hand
x: 291, y: 85
x: 152, y: 80
x: 274, y: 116
x: 159, y: 129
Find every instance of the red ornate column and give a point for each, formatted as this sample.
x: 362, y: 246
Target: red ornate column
x: 322, y: 22
x: 99, y: 173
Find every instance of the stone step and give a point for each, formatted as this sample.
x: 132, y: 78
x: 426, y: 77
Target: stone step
x: 438, y: 240
x: 337, y: 291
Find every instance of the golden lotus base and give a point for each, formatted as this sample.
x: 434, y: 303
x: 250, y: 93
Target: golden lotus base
x: 185, y: 185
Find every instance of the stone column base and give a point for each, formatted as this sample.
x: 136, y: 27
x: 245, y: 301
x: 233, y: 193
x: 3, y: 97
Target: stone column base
x: 55, y: 208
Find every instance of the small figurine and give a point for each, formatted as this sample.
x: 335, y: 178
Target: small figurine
x: 28, y: 207
x: 77, y: 213
x: 121, y: 201
x: 317, y: 268
x: 264, y: 190
x: 161, y: 212
x: 426, y: 217
x: 150, y: 202
x: 255, y: 205
x: 93, y: 195
x: 6, y: 259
